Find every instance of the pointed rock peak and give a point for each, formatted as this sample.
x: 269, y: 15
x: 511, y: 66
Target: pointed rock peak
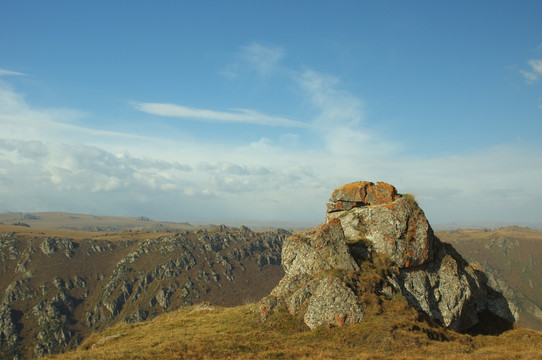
x: 361, y: 193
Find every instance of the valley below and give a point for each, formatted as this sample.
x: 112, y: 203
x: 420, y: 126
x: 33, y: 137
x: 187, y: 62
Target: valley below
x: 59, y: 285
x: 93, y: 282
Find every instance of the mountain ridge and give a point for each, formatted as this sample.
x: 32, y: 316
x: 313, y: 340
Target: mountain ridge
x: 93, y: 223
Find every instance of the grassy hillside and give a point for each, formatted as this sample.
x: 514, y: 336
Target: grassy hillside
x: 391, y: 330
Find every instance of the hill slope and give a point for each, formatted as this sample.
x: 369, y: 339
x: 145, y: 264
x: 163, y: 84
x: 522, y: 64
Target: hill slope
x: 391, y: 330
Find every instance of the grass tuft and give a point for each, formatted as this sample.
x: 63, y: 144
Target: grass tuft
x: 410, y: 198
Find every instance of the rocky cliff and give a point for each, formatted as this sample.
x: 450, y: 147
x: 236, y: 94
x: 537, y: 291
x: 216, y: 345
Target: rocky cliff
x: 55, y: 291
x: 377, y: 244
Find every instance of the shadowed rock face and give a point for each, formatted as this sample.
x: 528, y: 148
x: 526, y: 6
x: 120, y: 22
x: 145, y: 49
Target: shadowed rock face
x: 364, y: 220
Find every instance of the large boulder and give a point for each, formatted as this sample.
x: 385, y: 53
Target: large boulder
x: 366, y: 220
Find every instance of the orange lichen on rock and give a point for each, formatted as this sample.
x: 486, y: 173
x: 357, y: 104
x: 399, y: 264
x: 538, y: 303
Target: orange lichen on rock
x: 332, y: 222
x: 353, y: 192
x: 381, y: 193
x: 361, y: 193
x: 340, y: 320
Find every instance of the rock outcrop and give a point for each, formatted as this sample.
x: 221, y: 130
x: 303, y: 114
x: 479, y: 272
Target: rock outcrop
x: 327, y: 271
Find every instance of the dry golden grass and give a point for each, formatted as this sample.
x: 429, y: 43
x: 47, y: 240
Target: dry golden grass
x: 391, y: 330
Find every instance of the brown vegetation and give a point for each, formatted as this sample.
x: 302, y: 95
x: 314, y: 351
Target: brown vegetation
x: 391, y: 330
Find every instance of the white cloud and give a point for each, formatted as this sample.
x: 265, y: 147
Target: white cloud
x: 530, y: 77
x: 263, y: 59
x: 22, y: 122
x: 255, y: 57
x: 536, y: 65
x: 334, y: 105
x: 535, y: 73
x: 237, y: 116
x: 339, y: 117
x: 4, y: 72
x: 44, y: 176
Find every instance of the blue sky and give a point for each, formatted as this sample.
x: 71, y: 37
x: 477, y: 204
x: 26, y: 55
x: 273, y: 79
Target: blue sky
x: 257, y: 110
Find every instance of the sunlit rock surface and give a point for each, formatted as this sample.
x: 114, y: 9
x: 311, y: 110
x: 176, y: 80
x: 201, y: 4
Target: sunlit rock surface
x: 363, y: 221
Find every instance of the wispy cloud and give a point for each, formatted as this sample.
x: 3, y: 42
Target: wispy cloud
x: 255, y: 57
x: 236, y: 116
x: 4, y: 72
x: 340, y: 116
x: 262, y: 58
x: 23, y: 122
x: 335, y: 105
x: 534, y: 73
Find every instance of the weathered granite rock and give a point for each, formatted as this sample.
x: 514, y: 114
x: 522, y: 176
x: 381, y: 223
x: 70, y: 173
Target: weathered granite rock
x: 333, y: 303
x: 312, y: 251
x: 451, y: 291
x: 397, y: 228
x: 364, y: 221
x: 322, y: 300
x: 317, y: 249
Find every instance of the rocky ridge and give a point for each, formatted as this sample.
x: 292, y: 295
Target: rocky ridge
x: 377, y: 244
x: 54, y: 291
